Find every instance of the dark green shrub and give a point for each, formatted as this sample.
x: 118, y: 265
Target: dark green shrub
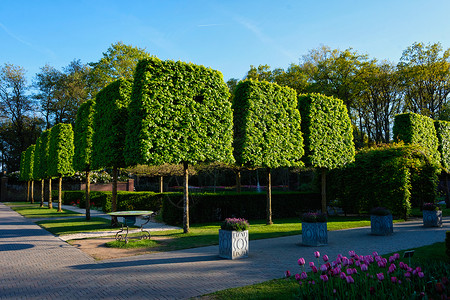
x: 72, y: 197
x: 212, y: 207
x: 391, y: 176
x: 417, y: 129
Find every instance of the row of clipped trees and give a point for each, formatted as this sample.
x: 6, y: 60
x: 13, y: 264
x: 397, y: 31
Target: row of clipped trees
x: 181, y: 113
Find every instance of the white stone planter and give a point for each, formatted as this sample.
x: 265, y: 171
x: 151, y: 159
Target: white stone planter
x: 314, y: 234
x: 432, y: 218
x: 233, y: 244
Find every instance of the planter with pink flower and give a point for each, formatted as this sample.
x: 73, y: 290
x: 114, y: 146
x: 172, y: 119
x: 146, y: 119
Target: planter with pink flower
x: 314, y: 229
x: 432, y: 215
x: 381, y: 221
x: 233, y: 238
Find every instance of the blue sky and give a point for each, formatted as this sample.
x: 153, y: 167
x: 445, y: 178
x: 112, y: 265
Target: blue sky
x: 226, y: 35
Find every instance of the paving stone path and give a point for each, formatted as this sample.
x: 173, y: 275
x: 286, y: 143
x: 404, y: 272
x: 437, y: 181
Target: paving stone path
x: 34, y: 264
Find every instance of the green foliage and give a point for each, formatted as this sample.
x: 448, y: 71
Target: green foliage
x: 41, y: 155
x: 327, y: 131
x: 266, y: 126
x: 391, y: 176
x: 83, y: 132
x: 413, y: 128
x: 29, y: 163
x: 179, y: 112
x: 60, y: 153
x: 110, y: 117
x: 22, y: 167
x: 119, y: 61
x: 211, y: 207
x: 443, y: 135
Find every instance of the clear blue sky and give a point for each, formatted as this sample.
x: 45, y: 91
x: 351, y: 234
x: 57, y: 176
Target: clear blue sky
x: 226, y: 35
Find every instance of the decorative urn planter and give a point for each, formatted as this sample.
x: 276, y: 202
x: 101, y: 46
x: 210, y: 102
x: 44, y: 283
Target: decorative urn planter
x: 381, y: 222
x: 314, y: 229
x: 233, y: 238
x: 432, y: 216
x: 233, y: 244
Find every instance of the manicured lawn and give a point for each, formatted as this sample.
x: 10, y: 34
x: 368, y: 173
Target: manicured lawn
x: 416, y: 212
x: 75, y: 225
x: 29, y: 210
x: 286, y: 289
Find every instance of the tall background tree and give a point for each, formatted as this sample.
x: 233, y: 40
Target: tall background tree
x: 83, y: 133
x: 180, y: 113
x: 267, y: 130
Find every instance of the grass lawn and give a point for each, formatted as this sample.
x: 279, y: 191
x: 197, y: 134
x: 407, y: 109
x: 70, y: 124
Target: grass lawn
x: 29, y: 210
x: 285, y: 289
x: 416, y: 212
x: 75, y: 225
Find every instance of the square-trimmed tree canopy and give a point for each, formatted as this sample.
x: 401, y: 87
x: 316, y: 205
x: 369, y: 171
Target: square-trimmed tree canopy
x: 60, y: 150
x: 83, y: 133
x: 41, y: 154
x: 412, y: 128
x: 443, y: 135
x: 267, y: 125
x: 179, y: 112
x: 29, y: 163
x: 110, y: 118
x: 327, y: 131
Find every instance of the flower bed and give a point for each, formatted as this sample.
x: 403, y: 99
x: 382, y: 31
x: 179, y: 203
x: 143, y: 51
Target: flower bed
x: 366, y: 277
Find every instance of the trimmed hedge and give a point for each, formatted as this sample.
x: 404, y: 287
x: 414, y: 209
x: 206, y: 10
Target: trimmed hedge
x: 179, y: 112
x: 327, y: 131
x: 393, y: 176
x: 83, y: 132
x: 60, y: 150
x: 209, y: 207
x: 110, y: 118
x: 443, y: 135
x: 29, y: 163
x: 416, y: 129
x: 267, y: 130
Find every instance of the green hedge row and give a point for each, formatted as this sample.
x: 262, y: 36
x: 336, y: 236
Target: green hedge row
x: 209, y: 207
x: 392, y: 176
x: 443, y: 135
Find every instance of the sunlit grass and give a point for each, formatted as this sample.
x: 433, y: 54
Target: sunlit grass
x: 29, y: 210
x: 75, y: 225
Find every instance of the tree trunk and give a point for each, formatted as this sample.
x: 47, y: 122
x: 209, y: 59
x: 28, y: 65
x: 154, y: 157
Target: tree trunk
x: 42, y: 192
x: 161, y: 184
x: 324, y: 190
x: 114, y: 221
x: 87, y: 195
x: 28, y: 191
x: 269, y: 197
x: 50, y: 204
x: 238, y: 181
x: 186, y: 198
x: 60, y: 194
x: 32, y: 191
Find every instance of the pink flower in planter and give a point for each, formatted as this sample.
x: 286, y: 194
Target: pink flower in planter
x: 301, y: 261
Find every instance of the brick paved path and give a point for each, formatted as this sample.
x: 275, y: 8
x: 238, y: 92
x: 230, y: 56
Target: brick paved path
x: 34, y: 264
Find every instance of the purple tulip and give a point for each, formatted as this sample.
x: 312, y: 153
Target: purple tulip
x: 297, y: 277
x: 303, y: 276
x: 380, y: 276
x: 342, y: 275
x: 301, y: 261
x: 324, y: 278
x: 314, y: 269
x: 350, y: 279
x: 420, y: 274
x: 325, y: 258
x: 287, y: 274
x: 311, y: 264
x: 364, y: 267
x: 408, y: 275
x: 393, y: 279
x: 351, y: 253
x: 317, y: 254
x: 323, y: 268
x: 375, y: 253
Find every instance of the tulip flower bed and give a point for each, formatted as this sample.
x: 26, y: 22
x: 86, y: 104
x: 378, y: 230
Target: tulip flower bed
x: 368, y: 277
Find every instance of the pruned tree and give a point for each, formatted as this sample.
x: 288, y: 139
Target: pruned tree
x: 60, y: 155
x: 110, y: 119
x: 83, y: 133
x: 267, y: 130
x: 38, y: 173
x: 179, y: 113
x: 28, y: 171
x: 328, y: 135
